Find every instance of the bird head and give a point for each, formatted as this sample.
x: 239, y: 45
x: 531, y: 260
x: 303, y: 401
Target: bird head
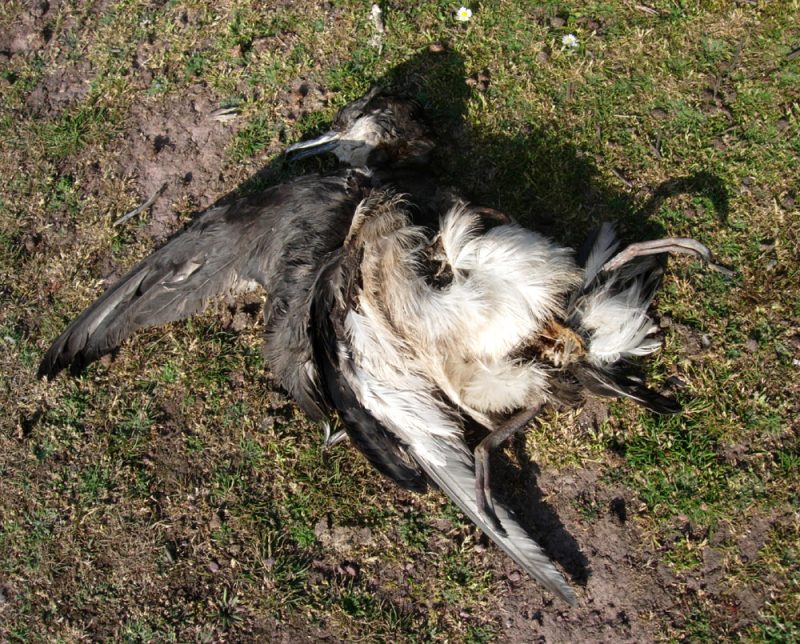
x: 376, y: 130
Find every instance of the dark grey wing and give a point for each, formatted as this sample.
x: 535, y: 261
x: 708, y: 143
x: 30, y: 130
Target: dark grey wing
x: 227, y: 249
x: 381, y: 448
x: 173, y: 283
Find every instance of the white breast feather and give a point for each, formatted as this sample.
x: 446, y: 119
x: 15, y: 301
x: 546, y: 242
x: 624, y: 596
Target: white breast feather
x: 506, y: 283
x: 498, y: 386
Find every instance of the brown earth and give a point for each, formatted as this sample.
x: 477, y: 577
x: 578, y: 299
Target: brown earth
x: 175, y: 148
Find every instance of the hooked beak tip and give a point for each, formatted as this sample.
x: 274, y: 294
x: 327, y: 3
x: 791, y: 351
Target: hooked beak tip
x: 312, y: 147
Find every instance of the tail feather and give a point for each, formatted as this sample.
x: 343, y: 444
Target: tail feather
x: 611, y: 310
x: 457, y: 480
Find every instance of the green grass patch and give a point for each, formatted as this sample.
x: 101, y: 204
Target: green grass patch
x: 123, y: 486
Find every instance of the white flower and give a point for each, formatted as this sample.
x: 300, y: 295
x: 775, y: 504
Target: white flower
x: 463, y: 14
x: 570, y: 41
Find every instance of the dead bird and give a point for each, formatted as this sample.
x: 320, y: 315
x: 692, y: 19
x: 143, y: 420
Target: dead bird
x: 401, y: 310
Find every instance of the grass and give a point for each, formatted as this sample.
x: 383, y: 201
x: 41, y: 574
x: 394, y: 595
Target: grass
x: 174, y: 494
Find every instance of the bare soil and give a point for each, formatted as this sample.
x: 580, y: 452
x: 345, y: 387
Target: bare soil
x: 159, y: 546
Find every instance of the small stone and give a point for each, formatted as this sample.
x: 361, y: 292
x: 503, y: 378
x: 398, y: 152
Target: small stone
x: 543, y: 56
x: 514, y: 576
x: 213, y: 567
x: 665, y: 322
x: 216, y: 521
x: 751, y: 345
x: 436, y: 48
x: 658, y: 113
x: 557, y: 21
x: 705, y: 341
x: 719, y: 144
x: 782, y: 125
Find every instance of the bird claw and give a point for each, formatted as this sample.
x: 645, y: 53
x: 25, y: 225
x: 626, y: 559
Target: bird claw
x: 486, y: 511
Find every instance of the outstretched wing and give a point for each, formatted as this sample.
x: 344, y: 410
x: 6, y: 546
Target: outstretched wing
x: 254, y: 241
x: 432, y: 435
x: 173, y: 283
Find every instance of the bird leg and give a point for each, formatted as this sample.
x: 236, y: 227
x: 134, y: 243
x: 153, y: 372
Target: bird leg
x: 495, y: 439
x: 684, y: 245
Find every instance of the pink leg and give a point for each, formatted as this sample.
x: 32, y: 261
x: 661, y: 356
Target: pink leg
x: 684, y: 245
x: 495, y: 439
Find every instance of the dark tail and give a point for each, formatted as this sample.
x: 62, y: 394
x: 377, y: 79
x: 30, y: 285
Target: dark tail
x: 614, y: 385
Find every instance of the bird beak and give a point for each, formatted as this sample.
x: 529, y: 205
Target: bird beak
x: 313, y: 147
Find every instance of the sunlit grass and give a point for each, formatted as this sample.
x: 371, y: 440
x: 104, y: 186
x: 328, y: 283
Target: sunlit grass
x: 171, y: 493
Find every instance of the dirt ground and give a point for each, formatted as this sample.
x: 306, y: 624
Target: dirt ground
x: 164, y: 562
